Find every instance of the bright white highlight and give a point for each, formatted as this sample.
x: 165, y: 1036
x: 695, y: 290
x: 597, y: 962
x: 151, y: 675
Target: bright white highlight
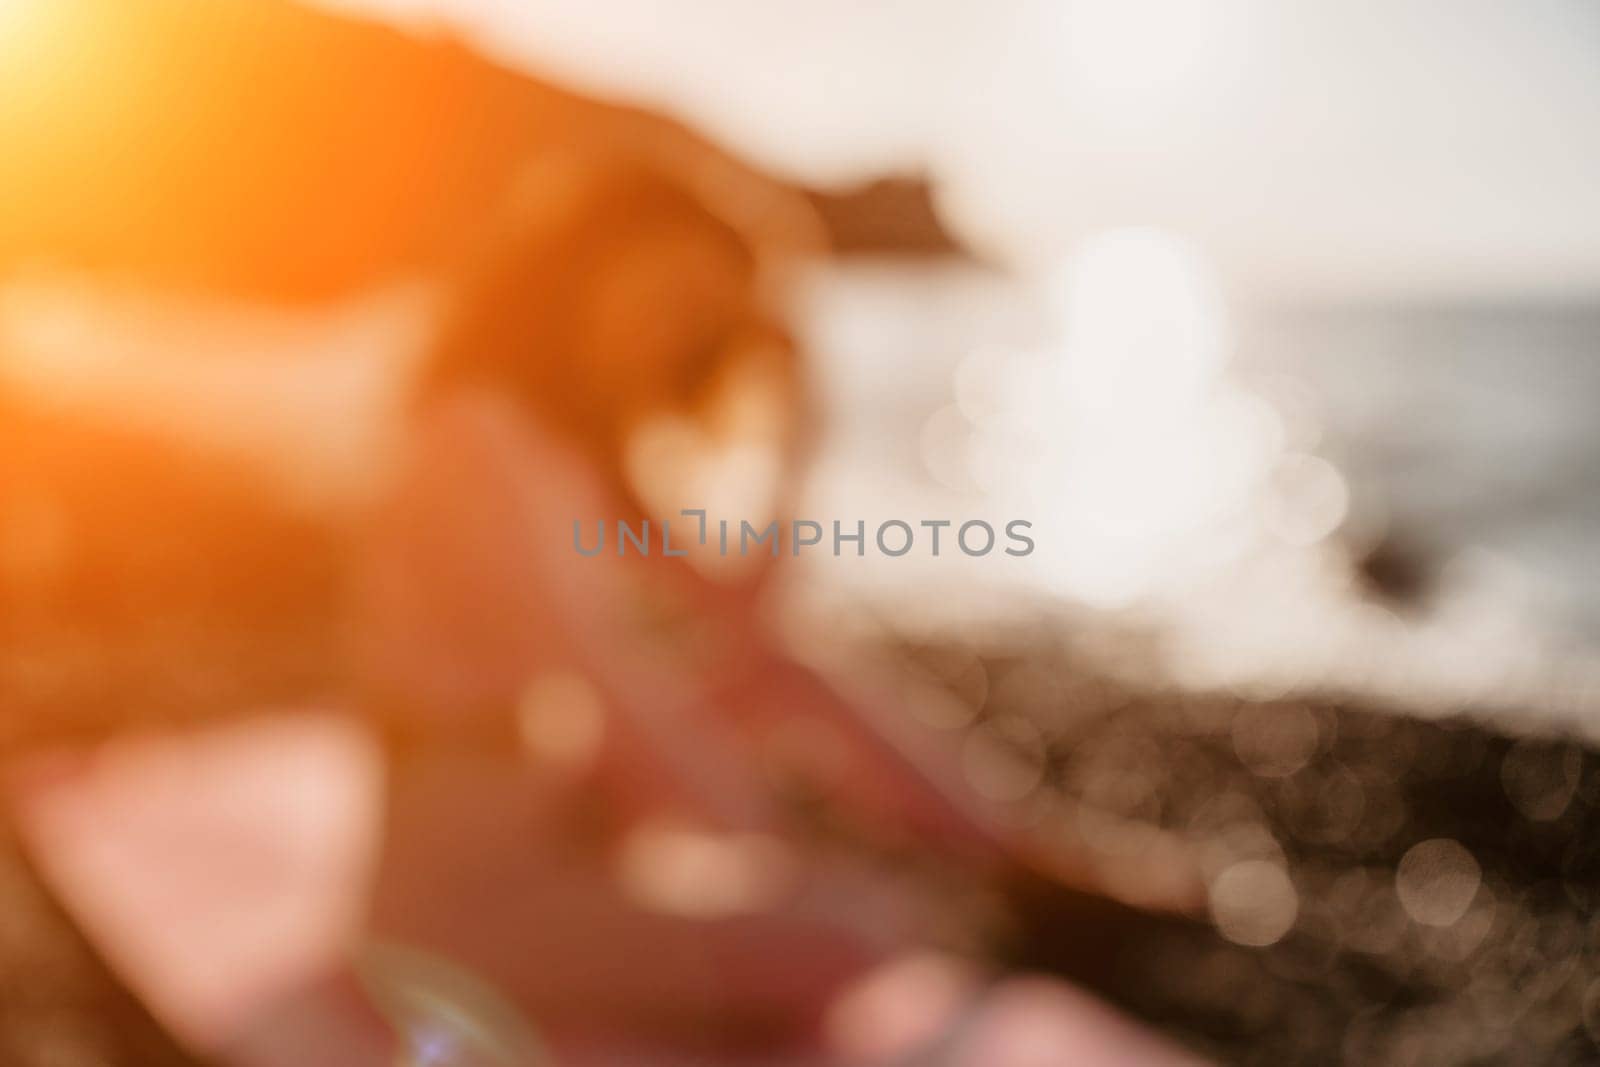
x: 1151, y: 449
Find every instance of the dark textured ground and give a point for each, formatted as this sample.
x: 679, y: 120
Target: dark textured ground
x: 1356, y: 980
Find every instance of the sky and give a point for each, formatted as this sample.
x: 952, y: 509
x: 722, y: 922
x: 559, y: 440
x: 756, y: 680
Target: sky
x: 1409, y: 149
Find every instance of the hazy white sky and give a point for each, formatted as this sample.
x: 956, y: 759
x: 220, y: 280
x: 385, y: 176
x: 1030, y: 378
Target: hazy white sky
x: 1401, y: 146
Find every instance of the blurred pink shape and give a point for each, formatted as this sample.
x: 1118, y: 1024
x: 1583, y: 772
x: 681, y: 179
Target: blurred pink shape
x: 217, y: 871
x: 1035, y: 1022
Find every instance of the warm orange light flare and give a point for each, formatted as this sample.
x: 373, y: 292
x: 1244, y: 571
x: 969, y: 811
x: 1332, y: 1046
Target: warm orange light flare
x: 256, y: 147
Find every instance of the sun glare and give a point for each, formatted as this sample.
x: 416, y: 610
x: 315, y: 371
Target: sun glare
x: 14, y: 15
x: 1152, y: 447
